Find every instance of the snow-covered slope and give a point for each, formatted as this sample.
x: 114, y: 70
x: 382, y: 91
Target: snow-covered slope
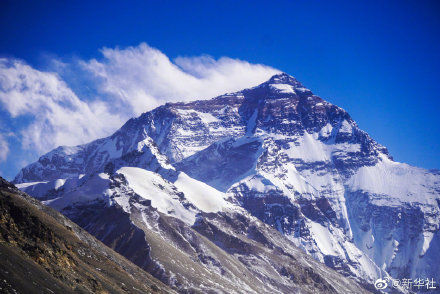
x: 146, y: 218
x: 276, y: 152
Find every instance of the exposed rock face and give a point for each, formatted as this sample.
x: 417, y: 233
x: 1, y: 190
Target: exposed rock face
x: 42, y: 251
x: 276, y: 153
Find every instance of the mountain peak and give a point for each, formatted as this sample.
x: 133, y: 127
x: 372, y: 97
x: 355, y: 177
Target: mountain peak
x: 280, y: 83
x: 283, y: 78
x: 283, y: 83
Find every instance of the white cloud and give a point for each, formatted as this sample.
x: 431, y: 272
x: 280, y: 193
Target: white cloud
x: 127, y: 81
x: 4, y: 148
x: 56, y: 115
x: 143, y: 77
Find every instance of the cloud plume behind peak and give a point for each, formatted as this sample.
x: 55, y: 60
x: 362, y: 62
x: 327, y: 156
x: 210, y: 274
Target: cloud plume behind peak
x: 143, y: 77
x: 44, y: 109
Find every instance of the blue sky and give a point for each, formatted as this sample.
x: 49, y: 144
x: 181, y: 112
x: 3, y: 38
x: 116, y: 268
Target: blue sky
x: 379, y: 60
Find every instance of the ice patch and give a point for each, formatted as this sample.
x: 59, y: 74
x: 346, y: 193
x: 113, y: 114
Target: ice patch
x: 324, y: 239
x: 311, y: 149
x: 251, y: 123
x: 302, y: 89
x: 386, y: 178
x: 22, y: 186
x: 110, y: 147
x: 203, y: 196
x: 345, y: 127
x: 152, y: 186
x: 283, y: 88
x: 94, y: 188
x: 206, y: 118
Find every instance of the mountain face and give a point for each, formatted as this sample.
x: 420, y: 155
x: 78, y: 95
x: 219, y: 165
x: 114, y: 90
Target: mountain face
x: 237, y: 183
x: 42, y: 251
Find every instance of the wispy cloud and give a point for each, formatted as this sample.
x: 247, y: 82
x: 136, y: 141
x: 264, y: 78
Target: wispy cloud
x: 142, y: 77
x: 55, y: 115
x: 4, y: 148
x: 127, y: 82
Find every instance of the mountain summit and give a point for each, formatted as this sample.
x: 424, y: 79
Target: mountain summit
x: 218, y: 169
x: 283, y: 79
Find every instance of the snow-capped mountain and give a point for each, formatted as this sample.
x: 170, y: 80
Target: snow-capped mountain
x: 210, y: 173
